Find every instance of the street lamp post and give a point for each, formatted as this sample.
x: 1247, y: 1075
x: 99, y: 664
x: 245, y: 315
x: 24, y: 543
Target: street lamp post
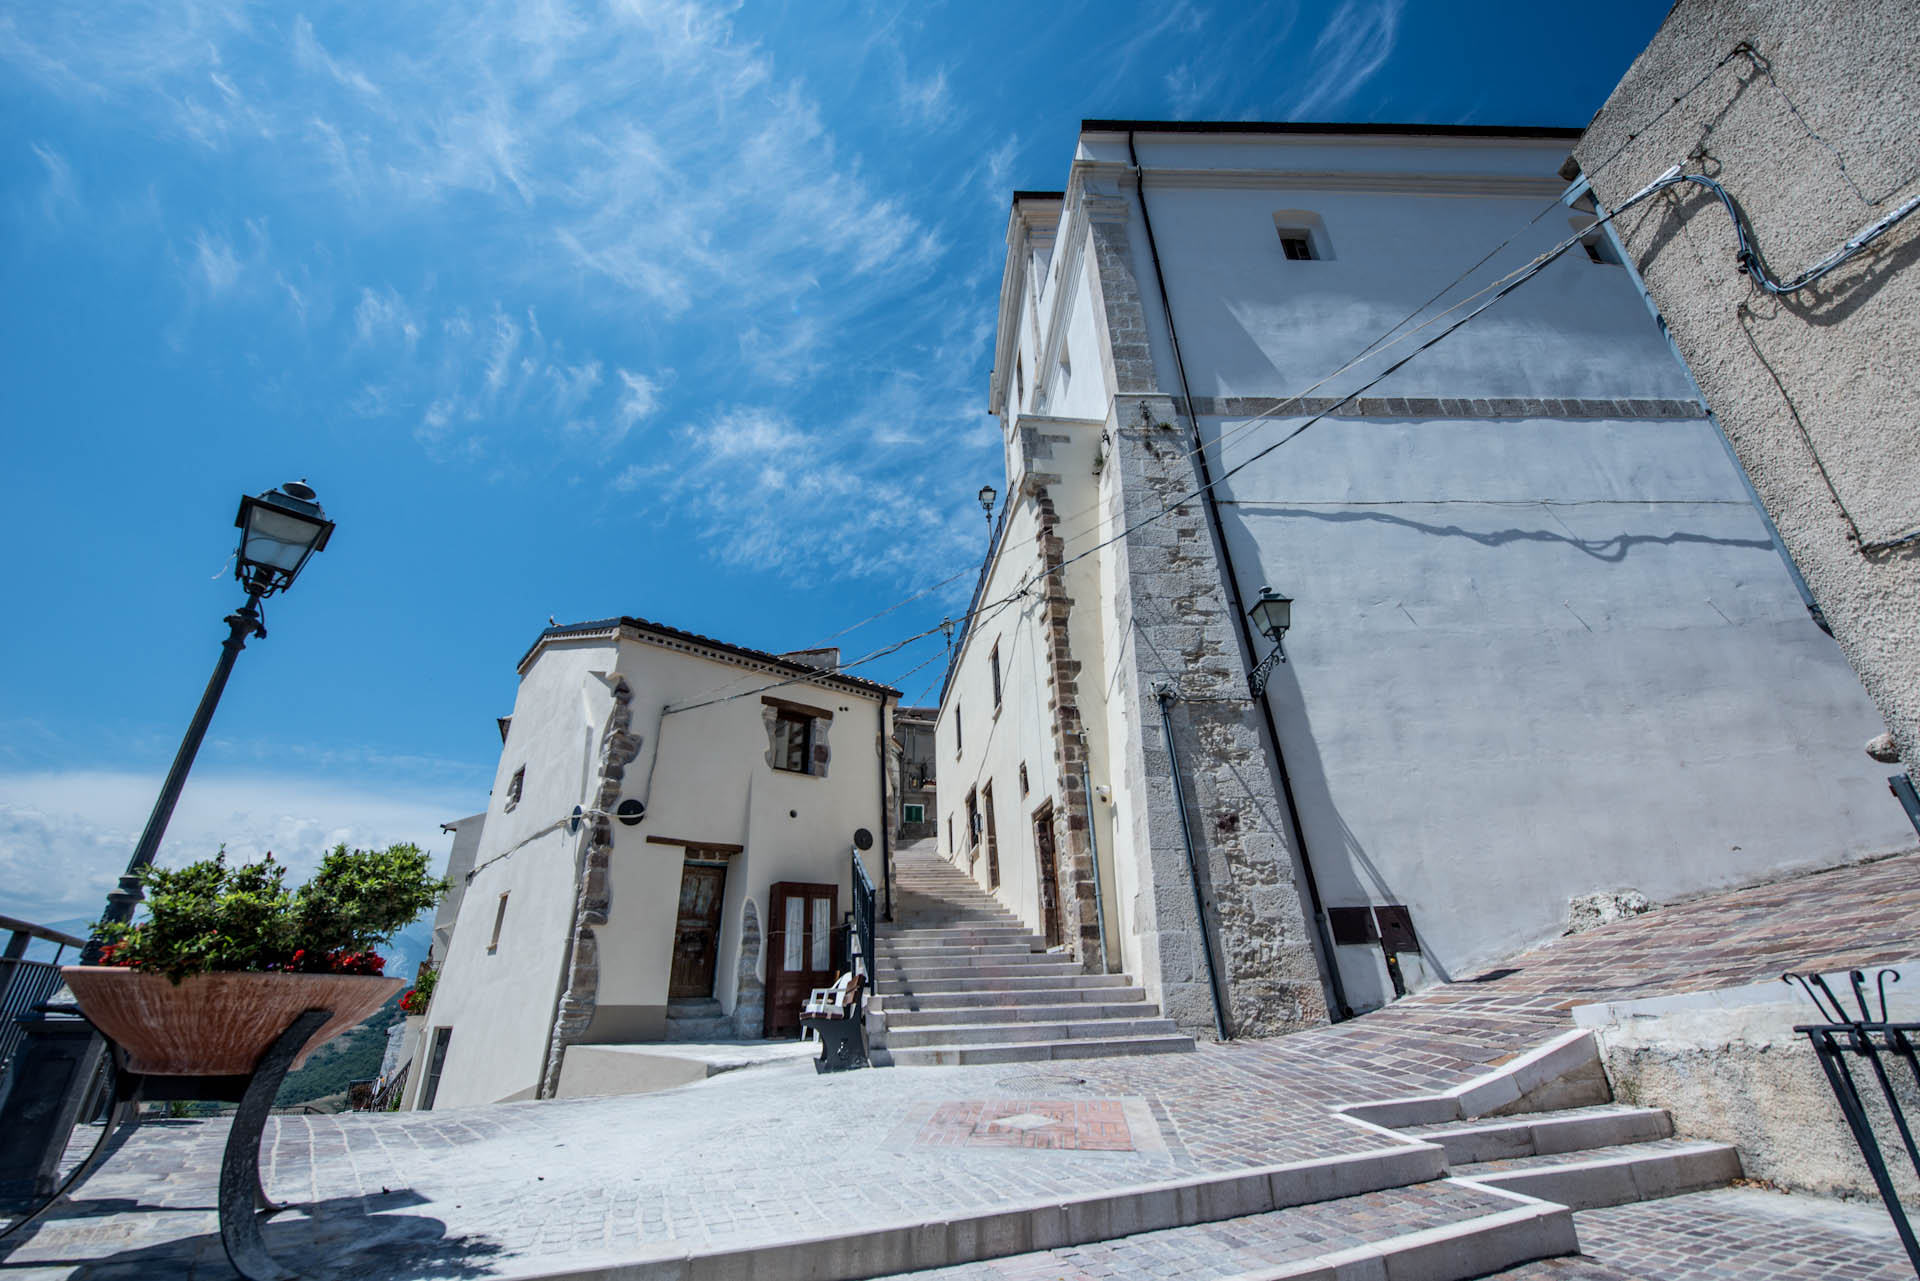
x: 55, y: 1063
x: 987, y: 494
x: 279, y: 530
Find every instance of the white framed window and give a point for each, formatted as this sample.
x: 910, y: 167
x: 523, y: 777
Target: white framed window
x: 913, y: 813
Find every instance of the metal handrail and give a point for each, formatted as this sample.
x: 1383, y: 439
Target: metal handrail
x: 24, y: 985
x: 863, y: 921
x: 1881, y: 1048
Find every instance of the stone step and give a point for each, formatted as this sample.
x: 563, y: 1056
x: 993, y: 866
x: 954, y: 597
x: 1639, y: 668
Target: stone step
x: 1026, y: 983
x: 693, y: 1008
x: 934, y: 1002
x: 1590, y: 1179
x: 956, y: 953
x: 1000, y: 1015
x: 1545, y: 1133
x: 990, y: 968
x: 943, y: 1035
x: 701, y: 1030
x: 1436, y: 1231
x: 984, y: 932
x: 1039, y: 1051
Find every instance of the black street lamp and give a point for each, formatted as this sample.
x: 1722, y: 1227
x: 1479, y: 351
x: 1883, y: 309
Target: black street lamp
x: 1272, y: 614
x: 987, y: 494
x: 279, y: 530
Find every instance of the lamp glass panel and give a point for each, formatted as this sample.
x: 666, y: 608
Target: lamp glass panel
x: 1273, y: 614
x: 277, y: 539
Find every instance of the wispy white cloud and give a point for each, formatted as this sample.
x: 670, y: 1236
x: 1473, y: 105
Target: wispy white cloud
x: 85, y: 824
x: 60, y: 198
x: 216, y: 262
x: 1352, y: 48
x: 383, y: 316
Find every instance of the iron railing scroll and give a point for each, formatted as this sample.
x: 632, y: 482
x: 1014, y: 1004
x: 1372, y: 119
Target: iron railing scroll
x: 1871, y: 1045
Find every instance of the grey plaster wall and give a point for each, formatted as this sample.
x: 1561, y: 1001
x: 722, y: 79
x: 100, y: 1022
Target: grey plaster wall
x: 1805, y: 110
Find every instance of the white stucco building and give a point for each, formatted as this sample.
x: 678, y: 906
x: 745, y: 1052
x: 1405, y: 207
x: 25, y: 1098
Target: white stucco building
x: 1544, y: 644
x: 702, y: 889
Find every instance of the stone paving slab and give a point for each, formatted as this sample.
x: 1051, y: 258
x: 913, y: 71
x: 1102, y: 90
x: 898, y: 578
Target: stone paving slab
x: 734, y: 1161
x: 764, y: 1155
x: 1212, y: 1251
x: 1730, y: 1234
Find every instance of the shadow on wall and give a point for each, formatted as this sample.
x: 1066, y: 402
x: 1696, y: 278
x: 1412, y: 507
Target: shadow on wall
x: 1334, y: 868
x: 1612, y: 550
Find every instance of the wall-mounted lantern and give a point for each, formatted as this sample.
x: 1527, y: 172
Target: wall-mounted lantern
x: 1272, y: 614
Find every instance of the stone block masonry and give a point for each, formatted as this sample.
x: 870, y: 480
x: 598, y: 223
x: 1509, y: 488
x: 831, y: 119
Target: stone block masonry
x: 618, y: 747
x: 1174, y: 632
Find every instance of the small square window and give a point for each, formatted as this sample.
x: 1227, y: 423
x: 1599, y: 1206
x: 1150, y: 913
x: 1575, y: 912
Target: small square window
x: 913, y: 813
x: 515, y: 786
x: 1297, y: 245
x: 792, y: 741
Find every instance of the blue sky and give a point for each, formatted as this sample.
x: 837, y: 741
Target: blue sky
x: 570, y: 309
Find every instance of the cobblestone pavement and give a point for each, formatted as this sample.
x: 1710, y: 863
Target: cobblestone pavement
x: 1235, y: 1246
x: 768, y: 1153
x: 1733, y: 1234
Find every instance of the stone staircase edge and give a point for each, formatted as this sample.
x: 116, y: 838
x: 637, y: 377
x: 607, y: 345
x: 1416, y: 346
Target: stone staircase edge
x: 1033, y: 1226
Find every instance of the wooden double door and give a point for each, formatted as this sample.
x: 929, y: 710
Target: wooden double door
x: 801, y: 949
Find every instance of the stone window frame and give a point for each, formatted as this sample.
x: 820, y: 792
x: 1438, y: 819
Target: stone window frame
x: 814, y: 753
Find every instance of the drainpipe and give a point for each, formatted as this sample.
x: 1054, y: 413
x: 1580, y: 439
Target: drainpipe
x: 1093, y: 844
x: 886, y: 817
x: 1193, y: 868
x: 1341, y: 1009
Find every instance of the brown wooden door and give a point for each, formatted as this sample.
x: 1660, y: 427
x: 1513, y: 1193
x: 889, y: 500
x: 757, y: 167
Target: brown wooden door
x: 696, y: 937
x: 1049, y: 874
x: 800, y: 953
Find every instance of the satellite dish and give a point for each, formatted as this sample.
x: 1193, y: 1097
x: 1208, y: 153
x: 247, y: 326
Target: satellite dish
x: 573, y: 824
x: 630, y: 812
x: 862, y: 839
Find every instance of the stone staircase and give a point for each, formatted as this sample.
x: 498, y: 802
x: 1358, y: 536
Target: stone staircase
x: 959, y: 979
x: 1583, y: 1158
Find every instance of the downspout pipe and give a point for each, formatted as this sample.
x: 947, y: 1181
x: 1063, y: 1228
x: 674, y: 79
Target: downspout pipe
x: 1093, y: 845
x: 1238, y: 606
x: 1193, y: 868
x: 886, y: 817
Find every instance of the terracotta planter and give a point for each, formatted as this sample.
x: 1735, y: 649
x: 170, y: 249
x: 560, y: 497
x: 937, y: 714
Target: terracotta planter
x: 216, y: 1024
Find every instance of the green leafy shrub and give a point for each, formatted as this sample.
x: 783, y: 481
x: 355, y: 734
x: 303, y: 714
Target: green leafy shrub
x: 417, y: 997
x: 208, y: 916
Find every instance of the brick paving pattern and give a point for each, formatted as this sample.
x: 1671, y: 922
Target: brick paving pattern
x: 768, y: 1153
x: 1732, y: 1234
x: 1235, y: 1246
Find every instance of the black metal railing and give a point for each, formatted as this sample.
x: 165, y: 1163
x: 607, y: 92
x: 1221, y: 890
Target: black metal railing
x: 863, y: 918
x: 25, y: 984
x: 386, y: 1092
x: 1880, y: 1049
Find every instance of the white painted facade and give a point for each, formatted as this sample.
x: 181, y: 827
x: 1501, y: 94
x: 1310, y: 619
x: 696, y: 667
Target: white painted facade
x: 1543, y: 642
x: 695, y: 724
